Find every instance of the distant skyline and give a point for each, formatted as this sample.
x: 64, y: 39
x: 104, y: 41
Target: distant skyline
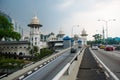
x: 65, y: 14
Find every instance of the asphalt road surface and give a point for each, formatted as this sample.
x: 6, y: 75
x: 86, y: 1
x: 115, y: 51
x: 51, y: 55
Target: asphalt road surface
x: 111, y: 59
x: 49, y: 71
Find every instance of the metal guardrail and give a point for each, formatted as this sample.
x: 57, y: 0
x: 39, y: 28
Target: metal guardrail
x: 110, y: 74
x: 57, y: 77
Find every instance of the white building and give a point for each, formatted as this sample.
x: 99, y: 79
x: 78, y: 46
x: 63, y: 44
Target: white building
x: 35, y: 32
x: 51, y: 37
x: 15, y: 47
x: 84, y: 37
x: 60, y: 35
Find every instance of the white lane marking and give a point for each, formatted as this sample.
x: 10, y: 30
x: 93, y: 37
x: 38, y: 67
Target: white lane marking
x: 29, y: 72
x: 45, y: 63
x: 35, y: 69
x: 21, y: 77
x: 40, y: 66
x: 48, y: 61
x: 108, y: 70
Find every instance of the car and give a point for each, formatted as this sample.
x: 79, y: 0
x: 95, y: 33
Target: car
x: 109, y: 48
x: 79, y: 46
x: 73, y: 50
x: 102, y: 46
x: 94, y: 47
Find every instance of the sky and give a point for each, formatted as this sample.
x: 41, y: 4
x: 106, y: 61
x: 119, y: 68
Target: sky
x: 66, y: 15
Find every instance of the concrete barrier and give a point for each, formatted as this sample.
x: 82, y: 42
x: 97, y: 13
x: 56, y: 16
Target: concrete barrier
x: 73, y: 68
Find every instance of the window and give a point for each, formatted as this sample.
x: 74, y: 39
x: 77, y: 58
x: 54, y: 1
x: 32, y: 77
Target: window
x: 32, y: 38
x: 35, y: 38
x: 35, y: 43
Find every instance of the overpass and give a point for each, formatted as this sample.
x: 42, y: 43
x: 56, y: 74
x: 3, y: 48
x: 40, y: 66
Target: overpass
x: 62, y: 66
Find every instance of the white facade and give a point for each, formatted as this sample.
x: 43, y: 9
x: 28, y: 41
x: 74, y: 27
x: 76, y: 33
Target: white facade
x: 15, y: 47
x: 35, y: 32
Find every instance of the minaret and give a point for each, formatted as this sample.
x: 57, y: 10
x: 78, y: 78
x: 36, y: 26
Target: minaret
x: 35, y: 31
x: 84, y: 37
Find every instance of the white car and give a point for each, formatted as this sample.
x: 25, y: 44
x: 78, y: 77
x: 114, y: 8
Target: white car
x: 94, y: 47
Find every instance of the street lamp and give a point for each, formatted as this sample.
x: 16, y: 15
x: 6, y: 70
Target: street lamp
x: 72, y: 33
x: 72, y: 29
x: 106, y: 24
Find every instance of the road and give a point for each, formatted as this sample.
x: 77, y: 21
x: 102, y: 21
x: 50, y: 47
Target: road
x: 89, y: 69
x: 111, y: 59
x: 49, y: 71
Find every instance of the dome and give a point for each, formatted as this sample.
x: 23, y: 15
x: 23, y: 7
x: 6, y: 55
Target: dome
x: 67, y: 38
x: 60, y: 32
x: 35, y: 20
x: 83, y: 31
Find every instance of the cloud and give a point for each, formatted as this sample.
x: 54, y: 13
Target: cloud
x: 88, y: 19
x: 66, y: 4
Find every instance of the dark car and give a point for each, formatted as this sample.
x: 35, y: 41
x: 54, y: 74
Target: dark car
x: 73, y: 50
x: 79, y: 46
x: 109, y: 48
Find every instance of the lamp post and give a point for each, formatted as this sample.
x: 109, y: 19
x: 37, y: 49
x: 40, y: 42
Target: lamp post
x: 72, y: 33
x: 106, y: 24
x: 72, y: 29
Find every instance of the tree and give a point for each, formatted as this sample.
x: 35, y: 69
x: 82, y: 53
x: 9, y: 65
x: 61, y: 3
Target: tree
x: 98, y: 38
x: 35, y: 49
x: 7, y: 31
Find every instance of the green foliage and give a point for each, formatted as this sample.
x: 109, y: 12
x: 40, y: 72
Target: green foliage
x: 43, y: 53
x: 5, y: 24
x: 7, y: 30
x: 6, y: 63
x: 97, y: 37
x: 35, y: 49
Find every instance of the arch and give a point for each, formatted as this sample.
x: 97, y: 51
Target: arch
x: 20, y: 53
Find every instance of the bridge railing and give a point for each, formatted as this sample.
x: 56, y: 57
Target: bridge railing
x: 108, y: 72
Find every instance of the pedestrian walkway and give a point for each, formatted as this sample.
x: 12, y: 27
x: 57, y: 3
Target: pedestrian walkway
x: 89, y: 69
